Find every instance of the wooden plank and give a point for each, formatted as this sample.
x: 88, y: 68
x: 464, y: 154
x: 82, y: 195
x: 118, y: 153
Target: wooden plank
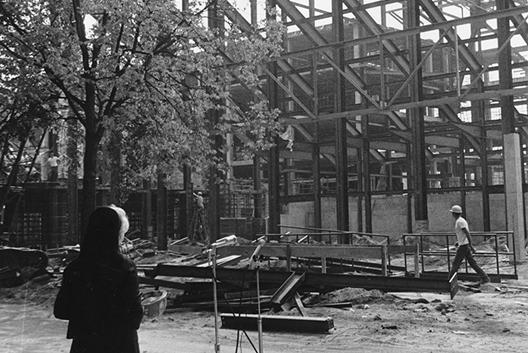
x: 278, y: 323
x: 299, y: 250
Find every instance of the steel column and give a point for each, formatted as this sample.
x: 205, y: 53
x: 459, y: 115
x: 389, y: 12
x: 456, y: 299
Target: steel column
x: 348, y: 73
x: 463, y: 182
x: 478, y: 113
x: 417, y: 118
x: 366, y: 177
x: 316, y: 166
x: 161, y: 211
x: 505, y: 73
x: 188, y: 189
x: 340, y: 124
x: 274, y: 205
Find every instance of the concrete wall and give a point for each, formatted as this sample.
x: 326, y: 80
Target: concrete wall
x: 389, y: 213
x: 498, y: 212
x: 438, y: 205
x: 299, y: 214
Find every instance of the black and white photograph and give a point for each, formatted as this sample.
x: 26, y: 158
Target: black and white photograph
x: 250, y: 176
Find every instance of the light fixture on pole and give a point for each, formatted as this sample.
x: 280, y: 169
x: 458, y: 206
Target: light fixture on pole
x: 255, y: 264
x: 225, y: 241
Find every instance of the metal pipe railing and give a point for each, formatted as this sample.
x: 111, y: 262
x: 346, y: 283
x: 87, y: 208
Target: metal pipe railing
x: 495, y: 254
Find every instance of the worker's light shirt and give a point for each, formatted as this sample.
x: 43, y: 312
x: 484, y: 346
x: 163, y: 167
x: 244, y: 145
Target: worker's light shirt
x: 460, y: 224
x: 53, y: 161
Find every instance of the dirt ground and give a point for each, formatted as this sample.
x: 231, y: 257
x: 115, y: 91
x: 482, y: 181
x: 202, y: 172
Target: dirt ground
x: 490, y: 321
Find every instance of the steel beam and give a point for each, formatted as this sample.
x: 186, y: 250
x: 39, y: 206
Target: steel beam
x: 403, y: 64
x: 281, y: 323
x: 312, y: 281
x: 417, y: 116
x: 283, y: 64
x: 519, y: 22
x: 505, y: 73
x: 274, y: 205
x: 316, y: 166
x: 436, y: 16
x: 410, y: 31
x: 478, y: 113
x: 311, y: 251
x: 340, y: 124
x: 311, y: 32
x: 449, y: 98
x: 365, y: 173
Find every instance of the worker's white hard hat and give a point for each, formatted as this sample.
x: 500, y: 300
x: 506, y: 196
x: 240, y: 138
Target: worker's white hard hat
x: 456, y: 209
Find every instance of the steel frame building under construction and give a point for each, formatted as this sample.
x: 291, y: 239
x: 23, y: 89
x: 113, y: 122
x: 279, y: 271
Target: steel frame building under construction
x: 407, y: 98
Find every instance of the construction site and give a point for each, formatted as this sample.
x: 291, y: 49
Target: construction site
x: 394, y: 116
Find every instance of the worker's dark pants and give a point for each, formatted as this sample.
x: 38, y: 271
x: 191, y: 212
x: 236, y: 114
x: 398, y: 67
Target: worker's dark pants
x: 54, y: 174
x: 464, y: 252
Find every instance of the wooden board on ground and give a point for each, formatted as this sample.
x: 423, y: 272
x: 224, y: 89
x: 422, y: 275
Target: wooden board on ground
x: 278, y: 323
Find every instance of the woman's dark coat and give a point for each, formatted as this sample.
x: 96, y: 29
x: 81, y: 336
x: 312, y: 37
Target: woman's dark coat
x: 100, y: 298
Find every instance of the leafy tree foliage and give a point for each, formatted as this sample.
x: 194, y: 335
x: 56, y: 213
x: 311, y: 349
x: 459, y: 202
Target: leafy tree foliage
x: 144, y: 68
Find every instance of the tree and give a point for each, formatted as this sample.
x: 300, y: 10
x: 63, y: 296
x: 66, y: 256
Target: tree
x: 27, y: 109
x: 143, y: 64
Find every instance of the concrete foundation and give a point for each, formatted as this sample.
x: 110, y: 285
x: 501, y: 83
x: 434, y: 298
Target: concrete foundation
x: 389, y: 213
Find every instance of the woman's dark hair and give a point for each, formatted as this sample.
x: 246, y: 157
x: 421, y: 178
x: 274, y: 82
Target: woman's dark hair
x: 101, y: 238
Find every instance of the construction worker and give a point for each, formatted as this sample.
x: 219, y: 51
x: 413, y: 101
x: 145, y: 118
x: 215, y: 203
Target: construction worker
x: 465, y: 249
x: 53, y: 162
x: 199, y: 232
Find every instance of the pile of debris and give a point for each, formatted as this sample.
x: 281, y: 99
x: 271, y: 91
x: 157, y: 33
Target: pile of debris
x: 18, y: 265
x: 280, y: 278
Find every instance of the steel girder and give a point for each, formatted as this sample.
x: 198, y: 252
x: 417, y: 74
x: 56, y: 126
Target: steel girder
x: 238, y: 19
x: 436, y: 15
x: 375, y: 29
x: 425, y: 28
x: 312, y: 280
x: 283, y: 64
x: 518, y: 21
x: 311, y: 32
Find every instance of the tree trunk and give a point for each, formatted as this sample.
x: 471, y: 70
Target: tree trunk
x: 4, y: 192
x: 12, y: 177
x: 116, y: 194
x: 73, y: 196
x: 89, y: 178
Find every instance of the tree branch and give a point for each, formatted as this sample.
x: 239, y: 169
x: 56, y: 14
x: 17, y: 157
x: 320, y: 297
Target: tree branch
x: 81, y: 34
